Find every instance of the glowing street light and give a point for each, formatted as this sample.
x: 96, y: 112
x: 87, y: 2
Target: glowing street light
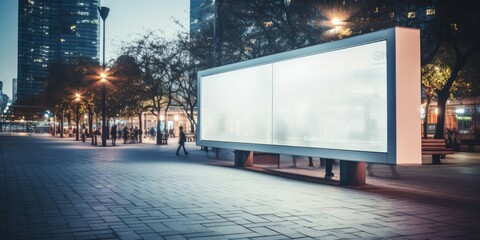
x: 103, y: 77
x: 336, y: 22
x: 104, y: 14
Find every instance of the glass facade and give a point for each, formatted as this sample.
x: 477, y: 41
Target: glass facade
x: 460, y: 118
x: 202, y: 13
x: 51, y: 32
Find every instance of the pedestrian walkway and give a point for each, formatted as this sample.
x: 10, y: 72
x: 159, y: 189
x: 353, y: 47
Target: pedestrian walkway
x: 54, y: 188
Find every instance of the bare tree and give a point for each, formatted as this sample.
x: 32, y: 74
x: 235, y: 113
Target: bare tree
x: 153, y: 55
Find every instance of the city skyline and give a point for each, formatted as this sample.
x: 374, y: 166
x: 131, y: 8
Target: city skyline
x: 119, y: 28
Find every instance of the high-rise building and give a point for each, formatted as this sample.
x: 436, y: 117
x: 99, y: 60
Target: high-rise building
x: 14, y: 90
x: 3, y: 99
x: 244, y: 30
x: 52, y: 32
x: 202, y: 13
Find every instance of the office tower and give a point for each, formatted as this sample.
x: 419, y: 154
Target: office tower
x: 53, y: 32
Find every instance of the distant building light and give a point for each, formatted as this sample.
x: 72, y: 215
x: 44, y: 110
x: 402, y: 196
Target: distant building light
x: 411, y: 14
x: 430, y: 11
x: 268, y: 24
x: 62, y: 39
x: 73, y: 27
x: 454, y: 26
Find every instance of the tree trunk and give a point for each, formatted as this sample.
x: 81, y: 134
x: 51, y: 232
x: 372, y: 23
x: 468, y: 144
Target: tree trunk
x: 165, y: 127
x: 90, y: 123
x: 69, y: 120
x: 159, y: 133
x: 140, y: 133
x: 192, y: 127
x: 107, y: 128
x: 61, y: 125
x: 54, y: 132
x: 441, y: 107
x: 192, y: 120
x: 425, y: 120
x: 444, y: 93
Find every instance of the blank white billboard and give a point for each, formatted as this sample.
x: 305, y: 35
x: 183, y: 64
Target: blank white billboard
x: 310, y: 101
x: 335, y: 100
x: 237, y: 105
x: 342, y: 100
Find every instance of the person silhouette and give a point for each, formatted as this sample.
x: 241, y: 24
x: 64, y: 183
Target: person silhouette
x: 181, y: 142
x: 328, y: 168
x: 113, y: 132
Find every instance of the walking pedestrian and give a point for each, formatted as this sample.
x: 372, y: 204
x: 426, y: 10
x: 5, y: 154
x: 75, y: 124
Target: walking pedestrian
x: 125, y: 134
x: 135, y: 135
x: 181, y: 142
x: 152, y: 133
x: 113, y: 132
x: 328, y: 168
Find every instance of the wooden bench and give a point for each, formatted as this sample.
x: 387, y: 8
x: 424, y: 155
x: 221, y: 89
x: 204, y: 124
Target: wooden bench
x: 191, y: 137
x: 436, y: 148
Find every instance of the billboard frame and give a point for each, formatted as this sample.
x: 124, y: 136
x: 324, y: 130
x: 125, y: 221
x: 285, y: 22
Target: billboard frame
x: 392, y: 154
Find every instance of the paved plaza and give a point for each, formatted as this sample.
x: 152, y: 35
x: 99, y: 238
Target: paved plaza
x: 55, y: 188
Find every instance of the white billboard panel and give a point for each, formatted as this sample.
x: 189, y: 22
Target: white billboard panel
x: 237, y: 105
x: 335, y: 100
x: 355, y: 99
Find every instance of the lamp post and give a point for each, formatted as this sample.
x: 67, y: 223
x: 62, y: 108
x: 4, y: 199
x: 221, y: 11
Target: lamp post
x: 104, y: 14
x: 77, y: 99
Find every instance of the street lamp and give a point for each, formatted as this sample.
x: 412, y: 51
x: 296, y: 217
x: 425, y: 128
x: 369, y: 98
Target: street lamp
x: 77, y: 99
x: 104, y: 14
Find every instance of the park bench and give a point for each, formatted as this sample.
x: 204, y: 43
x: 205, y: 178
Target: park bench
x: 131, y: 139
x: 436, y: 148
x: 191, y: 137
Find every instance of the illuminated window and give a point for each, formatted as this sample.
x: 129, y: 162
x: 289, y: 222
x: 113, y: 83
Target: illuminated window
x: 430, y: 11
x: 454, y: 26
x: 376, y: 10
x: 62, y: 39
x: 73, y: 27
x: 392, y: 14
x: 268, y: 24
x: 411, y: 15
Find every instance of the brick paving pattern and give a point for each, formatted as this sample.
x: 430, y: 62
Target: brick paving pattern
x: 52, y: 188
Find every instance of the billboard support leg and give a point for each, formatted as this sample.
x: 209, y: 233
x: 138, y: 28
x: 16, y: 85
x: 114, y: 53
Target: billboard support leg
x: 352, y: 173
x: 243, y: 158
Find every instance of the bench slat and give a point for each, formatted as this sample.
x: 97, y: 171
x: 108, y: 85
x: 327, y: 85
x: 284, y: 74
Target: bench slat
x: 435, y: 147
x: 433, y: 140
x: 437, y: 152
